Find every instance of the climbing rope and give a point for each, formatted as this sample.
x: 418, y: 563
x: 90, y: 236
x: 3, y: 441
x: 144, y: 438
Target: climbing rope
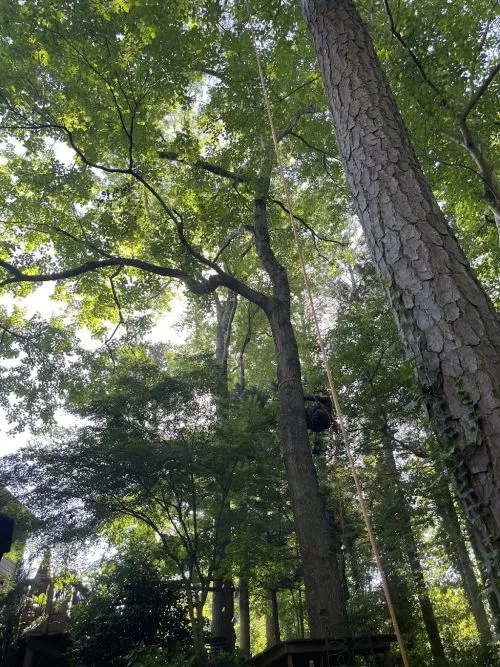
x: 324, y: 357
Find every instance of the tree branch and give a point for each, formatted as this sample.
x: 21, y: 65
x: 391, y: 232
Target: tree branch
x: 480, y: 91
x: 313, y: 147
x: 46, y: 227
x: 216, y: 169
x: 121, y: 319
x: 263, y: 246
x: 308, y: 109
x: 395, y: 32
x: 197, y: 286
x: 299, y: 87
x: 314, y: 234
x: 230, y: 238
x: 210, y: 72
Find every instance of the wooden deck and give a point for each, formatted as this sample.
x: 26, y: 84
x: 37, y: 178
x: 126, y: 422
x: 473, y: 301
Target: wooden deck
x: 346, y: 651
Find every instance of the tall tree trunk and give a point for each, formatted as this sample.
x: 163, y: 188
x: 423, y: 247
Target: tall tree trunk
x: 403, y: 520
x: 326, y: 603
x: 302, y: 632
x: 222, y: 595
x: 404, y: 602
x: 325, y: 597
x: 244, y: 604
x: 223, y: 612
x: 447, y: 322
x: 460, y: 555
x: 275, y: 615
x: 273, y: 634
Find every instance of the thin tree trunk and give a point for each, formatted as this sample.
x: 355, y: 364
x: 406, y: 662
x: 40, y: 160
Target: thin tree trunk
x: 486, y: 169
x: 325, y: 597
x: 404, y: 602
x: 402, y: 517
x: 275, y: 615
x: 244, y: 604
x: 270, y: 640
x: 301, y: 614
x: 273, y: 635
x: 460, y: 554
x: 480, y: 555
x: 449, y: 326
x: 222, y: 595
x: 194, y: 615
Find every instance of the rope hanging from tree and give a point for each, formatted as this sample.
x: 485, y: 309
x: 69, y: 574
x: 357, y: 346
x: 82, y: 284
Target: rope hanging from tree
x: 324, y: 357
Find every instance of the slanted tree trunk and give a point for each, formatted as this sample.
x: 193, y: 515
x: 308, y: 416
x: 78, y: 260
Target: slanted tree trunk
x: 244, y: 605
x: 486, y: 169
x: 449, y: 326
x: 460, y: 555
x: 403, y: 520
x: 480, y: 555
x: 325, y: 596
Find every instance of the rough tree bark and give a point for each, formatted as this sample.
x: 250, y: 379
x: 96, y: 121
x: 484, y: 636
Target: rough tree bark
x: 449, y: 326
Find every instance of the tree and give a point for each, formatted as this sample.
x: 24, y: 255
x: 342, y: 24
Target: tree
x: 130, y: 604
x: 383, y: 406
x: 111, y: 106
x: 449, y: 326
x: 223, y: 589
x: 149, y: 453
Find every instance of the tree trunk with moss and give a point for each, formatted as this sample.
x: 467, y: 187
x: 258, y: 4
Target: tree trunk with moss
x: 449, y: 326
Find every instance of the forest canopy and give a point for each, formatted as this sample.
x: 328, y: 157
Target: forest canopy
x: 140, y: 178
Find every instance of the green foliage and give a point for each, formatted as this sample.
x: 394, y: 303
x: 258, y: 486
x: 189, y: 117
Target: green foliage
x: 106, y: 110
x: 132, y: 611
x: 11, y: 605
x: 442, y: 55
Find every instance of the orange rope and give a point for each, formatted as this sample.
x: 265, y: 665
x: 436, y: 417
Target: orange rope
x: 326, y: 364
